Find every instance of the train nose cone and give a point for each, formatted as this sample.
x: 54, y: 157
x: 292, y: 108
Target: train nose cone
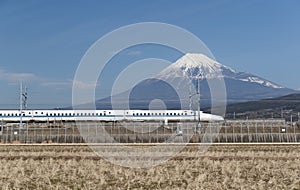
x: 220, y: 118
x: 217, y: 118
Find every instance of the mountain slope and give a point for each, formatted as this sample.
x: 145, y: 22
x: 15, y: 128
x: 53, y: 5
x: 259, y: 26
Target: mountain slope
x: 240, y: 86
x: 268, y: 108
x: 199, y: 65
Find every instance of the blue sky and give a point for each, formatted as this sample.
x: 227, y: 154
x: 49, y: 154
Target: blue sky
x: 42, y: 42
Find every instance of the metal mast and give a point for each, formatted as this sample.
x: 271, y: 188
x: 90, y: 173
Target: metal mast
x: 190, y: 97
x: 25, y: 97
x: 21, y: 104
x: 198, y: 92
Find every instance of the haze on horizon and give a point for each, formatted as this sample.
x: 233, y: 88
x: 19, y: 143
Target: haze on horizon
x: 42, y: 42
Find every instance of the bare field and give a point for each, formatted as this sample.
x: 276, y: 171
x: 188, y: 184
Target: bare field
x: 221, y: 167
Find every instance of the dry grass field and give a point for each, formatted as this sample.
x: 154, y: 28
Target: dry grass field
x: 221, y: 167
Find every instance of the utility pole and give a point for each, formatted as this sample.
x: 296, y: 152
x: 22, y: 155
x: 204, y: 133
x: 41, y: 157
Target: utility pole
x: 21, y: 104
x: 198, y: 92
x: 190, y: 97
x: 198, y: 125
x: 198, y: 100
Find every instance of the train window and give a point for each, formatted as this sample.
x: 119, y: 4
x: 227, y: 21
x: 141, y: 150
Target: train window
x: 148, y: 113
x: 42, y: 112
x: 81, y: 114
x: 23, y: 114
x: 0, y: 114
x: 100, y: 114
x: 54, y: 114
x: 46, y: 114
x: 36, y: 112
x: 109, y: 112
x: 29, y: 113
x: 185, y: 114
x: 144, y: 113
x: 104, y: 114
x: 133, y: 114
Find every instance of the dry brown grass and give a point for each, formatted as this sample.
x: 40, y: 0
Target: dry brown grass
x: 221, y: 167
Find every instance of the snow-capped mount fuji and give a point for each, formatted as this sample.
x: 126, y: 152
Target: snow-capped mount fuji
x: 240, y: 86
x: 193, y: 65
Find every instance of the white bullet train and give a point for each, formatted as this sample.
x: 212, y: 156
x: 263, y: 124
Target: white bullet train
x: 107, y: 115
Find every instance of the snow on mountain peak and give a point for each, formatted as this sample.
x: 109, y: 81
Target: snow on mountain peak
x: 194, y: 65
